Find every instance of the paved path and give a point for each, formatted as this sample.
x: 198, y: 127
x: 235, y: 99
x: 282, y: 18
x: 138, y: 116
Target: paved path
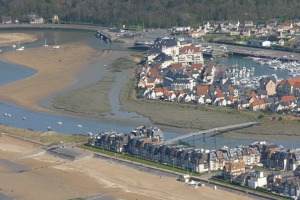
x: 228, y: 127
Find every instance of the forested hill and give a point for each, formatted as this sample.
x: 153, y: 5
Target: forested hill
x: 152, y: 13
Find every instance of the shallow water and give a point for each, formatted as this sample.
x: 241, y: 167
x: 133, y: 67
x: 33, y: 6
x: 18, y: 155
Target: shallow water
x: 11, y: 72
x: 13, y: 166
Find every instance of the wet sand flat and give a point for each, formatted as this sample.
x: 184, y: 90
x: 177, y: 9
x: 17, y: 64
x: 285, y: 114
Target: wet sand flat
x: 56, y: 71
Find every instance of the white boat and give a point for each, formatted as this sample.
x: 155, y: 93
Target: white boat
x: 79, y: 126
x: 14, y: 46
x: 45, y: 45
x: 59, y: 123
x: 21, y: 48
x: 55, y: 46
x: 49, y: 128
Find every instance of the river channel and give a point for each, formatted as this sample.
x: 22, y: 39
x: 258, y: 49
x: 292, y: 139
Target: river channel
x: 28, y: 119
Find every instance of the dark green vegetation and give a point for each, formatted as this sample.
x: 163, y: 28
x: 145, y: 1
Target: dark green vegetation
x: 155, y: 13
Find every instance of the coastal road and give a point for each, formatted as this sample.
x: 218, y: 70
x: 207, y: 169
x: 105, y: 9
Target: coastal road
x: 212, y: 130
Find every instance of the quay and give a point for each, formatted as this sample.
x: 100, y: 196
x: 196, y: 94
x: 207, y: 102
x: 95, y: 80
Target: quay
x: 269, y: 53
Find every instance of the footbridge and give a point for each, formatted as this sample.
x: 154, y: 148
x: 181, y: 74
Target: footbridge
x: 212, y: 130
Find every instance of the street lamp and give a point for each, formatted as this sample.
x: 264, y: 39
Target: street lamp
x: 173, y: 164
x: 136, y: 155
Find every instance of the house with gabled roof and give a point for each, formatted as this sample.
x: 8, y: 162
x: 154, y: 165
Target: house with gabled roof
x: 268, y: 84
x: 163, y: 59
x: 231, y: 170
x: 287, y: 26
x: 196, y: 67
x: 189, y: 55
x: 253, y: 96
x: 241, y: 103
x: 258, y: 104
x: 202, y: 90
x: 288, y: 86
x: 169, y: 96
x: 209, y: 73
x: 159, y: 92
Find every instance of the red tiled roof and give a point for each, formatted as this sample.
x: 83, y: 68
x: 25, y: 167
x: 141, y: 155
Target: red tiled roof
x: 287, y: 24
x: 235, y: 166
x: 282, y: 83
x: 193, y: 49
x: 231, y: 97
x: 231, y: 89
x: 219, y: 93
x: 153, y: 72
x: 293, y: 81
x: 202, y: 90
x: 196, y: 66
x: 176, y: 66
x: 258, y: 102
x: 158, y: 89
x: 288, y: 99
x: 150, y: 80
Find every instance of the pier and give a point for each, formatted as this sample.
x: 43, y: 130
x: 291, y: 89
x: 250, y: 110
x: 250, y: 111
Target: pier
x: 103, y: 36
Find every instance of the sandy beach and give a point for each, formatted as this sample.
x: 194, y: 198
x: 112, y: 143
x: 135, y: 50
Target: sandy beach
x: 44, y: 174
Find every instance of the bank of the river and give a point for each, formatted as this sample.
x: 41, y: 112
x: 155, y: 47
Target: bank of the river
x: 8, y: 39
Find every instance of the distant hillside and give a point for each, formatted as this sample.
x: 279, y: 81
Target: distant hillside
x: 152, y: 13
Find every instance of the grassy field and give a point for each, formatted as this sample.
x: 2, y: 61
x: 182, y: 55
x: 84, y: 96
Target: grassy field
x: 91, y: 99
x: 48, y: 138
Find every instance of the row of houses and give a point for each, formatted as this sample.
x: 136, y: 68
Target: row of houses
x: 235, y: 163
x: 281, y: 31
x: 31, y: 18
x: 147, y: 142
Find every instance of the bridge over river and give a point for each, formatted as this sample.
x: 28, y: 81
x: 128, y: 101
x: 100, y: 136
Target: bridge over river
x: 212, y: 130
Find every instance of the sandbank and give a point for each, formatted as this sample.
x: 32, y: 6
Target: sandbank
x: 7, y: 39
x: 56, y: 71
x: 55, y: 178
